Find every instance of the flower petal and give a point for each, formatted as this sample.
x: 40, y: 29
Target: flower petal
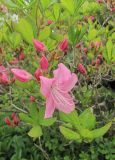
x: 46, y: 84
x: 63, y: 102
x: 49, y: 107
x: 62, y: 73
x: 70, y: 83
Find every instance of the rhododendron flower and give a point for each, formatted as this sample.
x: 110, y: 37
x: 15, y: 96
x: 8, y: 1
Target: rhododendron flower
x: 56, y: 90
x: 21, y: 75
x: 63, y: 45
x: 82, y: 69
x: 3, y: 75
x: 44, y: 63
x: 38, y: 73
x: 40, y: 47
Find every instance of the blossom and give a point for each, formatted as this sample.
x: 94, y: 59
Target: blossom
x: 40, y: 47
x: 44, y: 63
x: 82, y: 69
x: 3, y: 75
x: 56, y: 90
x: 63, y: 45
x: 21, y: 75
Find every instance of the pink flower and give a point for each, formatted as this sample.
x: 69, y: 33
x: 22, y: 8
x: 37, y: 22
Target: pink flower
x: 32, y: 99
x: 49, y: 22
x: 40, y: 47
x: 21, y: 75
x: 7, y: 121
x: 38, y: 73
x: 56, y: 90
x: 81, y: 69
x: 22, y: 56
x: 44, y: 63
x: 3, y: 75
x: 63, y: 45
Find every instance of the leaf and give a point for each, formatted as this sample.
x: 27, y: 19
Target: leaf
x: 56, y: 11
x: 109, y: 46
x: 72, y: 35
x: 25, y: 29
x: 45, y: 3
x: 45, y: 33
x: 24, y: 117
x: 25, y: 85
x: 72, y: 118
x: 86, y: 134
x: 42, y: 120
x: 35, y: 132
x: 92, y: 34
x: 87, y: 119
x: 70, y: 135
x: 69, y: 5
x: 101, y: 131
x: 9, y: 3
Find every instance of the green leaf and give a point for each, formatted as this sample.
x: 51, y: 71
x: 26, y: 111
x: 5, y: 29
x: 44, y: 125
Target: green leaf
x: 45, y: 33
x: 25, y: 29
x: 101, y: 131
x: 9, y: 3
x: 72, y: 35
x: 24, y: 117
x: 92, y: 34
x: 86, y: 134
x: 72, y: 118
x: 35, y: 132
x: 87, y: 119
x: 26, y: 85
x: 70, y: 135
x: 45, y: 3
x: 69, y: 5
x: 34, y: 113
x: 109, y: 47
x: 56, y: 11
x: 45, y: 121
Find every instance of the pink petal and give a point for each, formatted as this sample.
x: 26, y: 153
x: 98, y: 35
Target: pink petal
x: 46, y: 84
x: 63, y: 102
x: 62, y: 73
x: 70, y: 83
x: 49, y: 107
x: 21, y: 75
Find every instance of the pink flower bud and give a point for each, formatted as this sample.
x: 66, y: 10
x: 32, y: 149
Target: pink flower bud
x: 113, y: 9
x: 40, y: 47
x: 98, y: 61
x: 38, y: 73
x: 78, y: 45
x: 63, y: 45
x: 81, y: 69
x: 85, y: 50
x: 21, y: 75
x: 100, y: 1
x: 22, y: 56
x: 49, y: 22
x: 93, y: 63
x: 14, y: 61
x: 44, y: 63
x: 100, y: 56
x: 15, y: 119
x: 32, y: 99
x: 7, y: 121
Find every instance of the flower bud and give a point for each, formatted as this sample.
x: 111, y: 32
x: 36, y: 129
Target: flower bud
x: 22, y: 56
x: 7, y: 121
x: 63, y: 45
x: 40, y: 47
x: 38, y: 73
x: 81, y: 69
x: 32, y: 99
x: 44, y: 63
